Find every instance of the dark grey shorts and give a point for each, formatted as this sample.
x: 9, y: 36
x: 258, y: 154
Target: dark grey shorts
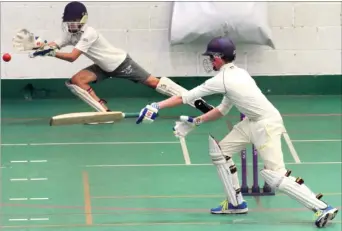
x: 128, y: 69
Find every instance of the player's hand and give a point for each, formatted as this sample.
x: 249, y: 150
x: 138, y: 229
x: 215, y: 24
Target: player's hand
x: 51, y: 51
x: 148, y: 114
x: 185, y: 125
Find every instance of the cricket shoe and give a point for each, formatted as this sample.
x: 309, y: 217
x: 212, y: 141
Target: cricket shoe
x: 325, y: 215
x: 227, y: 208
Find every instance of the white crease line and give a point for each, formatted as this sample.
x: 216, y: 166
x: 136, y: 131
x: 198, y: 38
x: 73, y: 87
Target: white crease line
x: 304, y: 141
x: 28, y: 219
x: 152, y: 142
x: 291, y: 147
x: 19, y: 179
x: 39, y: 219
x: 28, y: 161
x: 185, y: 150
x: 38, y: 161
x: 36, y: 179
x: 27, y: 179
x: 18, y: 199
x: 90, y: 143
x: 175, y: 165
x: 25, y: 199
x: 18, y: 219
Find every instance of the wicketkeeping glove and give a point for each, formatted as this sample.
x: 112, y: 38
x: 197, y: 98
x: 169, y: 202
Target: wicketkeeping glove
x: 185, y: 125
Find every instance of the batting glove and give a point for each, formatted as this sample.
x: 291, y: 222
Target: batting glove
x: 148, y: 114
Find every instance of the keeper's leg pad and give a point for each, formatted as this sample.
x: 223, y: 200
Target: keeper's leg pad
x: 294, y: 188
x: 167, y: 87
x: 85, y: 96
x: 229, y: 180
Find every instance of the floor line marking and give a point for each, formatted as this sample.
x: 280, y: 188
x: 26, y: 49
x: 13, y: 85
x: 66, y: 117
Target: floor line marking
x: 38, y: 179
x: 18, y: 219
x: 18, y: 179
x: 189, y: 196
x: 328, y: 140
x: 28, y: 161
x: 28, y: 219
x: 185, y: 151
x: 87, y: 200
x: 39, y: 219
x: 208, y: 164
x: 38, y: 161
x: 27, y: 179
x: 143, y: 209
x: 90, y: 143
x: 139, y: 224
x: 138, y: 142
x: 25, y: 199
x: 291, y: 147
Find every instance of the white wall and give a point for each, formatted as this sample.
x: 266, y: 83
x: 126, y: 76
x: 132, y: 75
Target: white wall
x: 307, y: 38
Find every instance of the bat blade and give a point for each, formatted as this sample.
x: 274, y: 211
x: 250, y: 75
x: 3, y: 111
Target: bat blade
x: 86, y: 117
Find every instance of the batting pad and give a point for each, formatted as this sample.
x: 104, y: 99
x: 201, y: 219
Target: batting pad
x: 89, y: 117
x: 290, y: 187
x: 85, y: 96
x: 225, y: 175
x: 167, y: 87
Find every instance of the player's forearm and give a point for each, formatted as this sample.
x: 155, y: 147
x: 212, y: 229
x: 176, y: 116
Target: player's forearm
x: 171, y: 102
x: 213, y: 114
x: 65, y: 56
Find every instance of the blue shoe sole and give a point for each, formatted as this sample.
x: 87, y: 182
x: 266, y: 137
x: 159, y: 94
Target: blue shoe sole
x: 324, y: 220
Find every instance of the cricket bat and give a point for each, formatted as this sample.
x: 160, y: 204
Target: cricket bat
x: 90, y: 117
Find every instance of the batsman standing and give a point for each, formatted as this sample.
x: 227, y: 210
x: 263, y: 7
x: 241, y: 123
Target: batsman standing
x: 109, y: 61
x: 263, y: 126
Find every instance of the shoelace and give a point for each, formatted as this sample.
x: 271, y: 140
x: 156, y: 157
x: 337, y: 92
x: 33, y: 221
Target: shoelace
x: 224, y: 205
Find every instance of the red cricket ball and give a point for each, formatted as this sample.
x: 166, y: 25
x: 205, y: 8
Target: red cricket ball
x: 6, y: 57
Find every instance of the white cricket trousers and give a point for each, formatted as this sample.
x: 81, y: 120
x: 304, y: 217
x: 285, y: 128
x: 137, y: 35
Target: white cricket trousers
x: 264, y: 134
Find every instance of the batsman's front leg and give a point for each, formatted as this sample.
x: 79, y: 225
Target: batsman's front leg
x: 79, y: 86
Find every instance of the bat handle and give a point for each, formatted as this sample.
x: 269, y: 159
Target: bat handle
x: 131, y: 115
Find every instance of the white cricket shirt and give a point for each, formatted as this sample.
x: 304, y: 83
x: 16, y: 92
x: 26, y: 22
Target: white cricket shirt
x: 238, y: 89
x: 95, y: 47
